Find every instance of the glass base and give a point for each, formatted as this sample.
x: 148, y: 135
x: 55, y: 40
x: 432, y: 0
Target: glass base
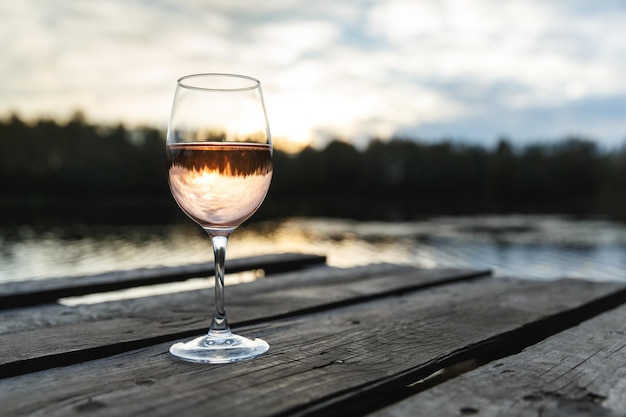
x: 219, y: 348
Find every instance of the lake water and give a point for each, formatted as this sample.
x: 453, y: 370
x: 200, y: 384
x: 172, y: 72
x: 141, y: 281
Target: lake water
x: 540, y: 247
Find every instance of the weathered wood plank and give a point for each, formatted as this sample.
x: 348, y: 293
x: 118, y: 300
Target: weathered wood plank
x: 322, y: 363
x: 24, y: 293
x: 298, y: 288
x: 579, y: 372
x: 112, y: 328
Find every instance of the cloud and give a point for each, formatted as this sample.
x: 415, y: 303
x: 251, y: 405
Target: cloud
x: 354, y: 70
x: 603, y: 118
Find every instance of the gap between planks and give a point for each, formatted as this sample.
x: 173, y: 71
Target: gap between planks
x: 578, y: 372
x: 364, y: 400
x: 36, y: 292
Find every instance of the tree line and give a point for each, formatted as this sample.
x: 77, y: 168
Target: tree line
x: 48, y: 161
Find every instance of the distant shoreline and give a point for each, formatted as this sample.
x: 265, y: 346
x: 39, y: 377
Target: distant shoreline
x: 46, y: 210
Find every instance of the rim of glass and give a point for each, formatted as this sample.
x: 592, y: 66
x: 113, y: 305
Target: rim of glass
x: 183, y: 82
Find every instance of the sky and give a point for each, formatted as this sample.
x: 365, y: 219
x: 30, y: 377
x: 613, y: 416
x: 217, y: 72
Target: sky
x: 471, y: 70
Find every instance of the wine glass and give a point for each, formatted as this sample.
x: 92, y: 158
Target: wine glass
x: 219, y: 153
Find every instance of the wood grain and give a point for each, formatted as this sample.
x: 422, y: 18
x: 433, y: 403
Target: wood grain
x: 323, y: 363
x: 110, y: 328
x: 579, y: 372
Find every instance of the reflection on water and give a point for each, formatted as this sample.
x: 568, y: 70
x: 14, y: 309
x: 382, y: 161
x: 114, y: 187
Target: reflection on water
x: 542, y: 247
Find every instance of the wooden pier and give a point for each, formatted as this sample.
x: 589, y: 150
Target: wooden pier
x: 375, y: 340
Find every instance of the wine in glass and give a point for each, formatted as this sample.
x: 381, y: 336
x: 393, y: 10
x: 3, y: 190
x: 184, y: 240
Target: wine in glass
x: 219, y: 153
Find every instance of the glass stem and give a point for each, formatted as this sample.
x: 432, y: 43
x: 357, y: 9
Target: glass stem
x: 219, y: 325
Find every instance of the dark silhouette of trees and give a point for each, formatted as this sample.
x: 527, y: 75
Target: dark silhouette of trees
x: 571, y: 176
x: 49, y: 161
x: 53, y: 160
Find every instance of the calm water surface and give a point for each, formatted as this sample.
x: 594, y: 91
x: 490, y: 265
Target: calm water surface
x: 541, y: 247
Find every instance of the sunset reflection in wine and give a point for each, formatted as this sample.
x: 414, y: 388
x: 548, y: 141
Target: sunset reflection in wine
x: 219, y: 185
